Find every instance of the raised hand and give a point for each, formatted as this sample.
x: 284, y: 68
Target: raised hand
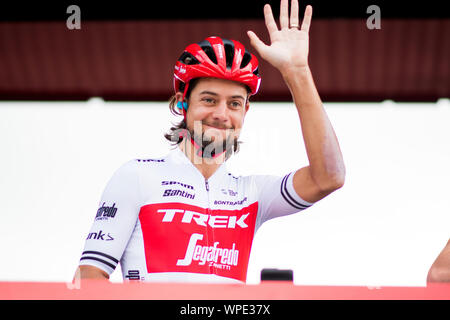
x: 288, y: 51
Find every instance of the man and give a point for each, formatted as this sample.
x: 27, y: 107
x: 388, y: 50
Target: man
x: 440, y: 269
x: 184, y: 217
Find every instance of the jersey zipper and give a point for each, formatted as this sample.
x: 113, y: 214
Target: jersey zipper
x: 209, y: 230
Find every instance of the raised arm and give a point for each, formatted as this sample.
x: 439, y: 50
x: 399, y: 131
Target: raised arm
x: 288, y: 52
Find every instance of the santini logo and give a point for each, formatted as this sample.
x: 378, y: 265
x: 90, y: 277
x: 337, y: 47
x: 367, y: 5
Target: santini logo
x: 178, y: 193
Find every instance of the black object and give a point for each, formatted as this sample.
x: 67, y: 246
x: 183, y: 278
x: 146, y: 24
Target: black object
x: 277, y: 275
x: 44, y: 10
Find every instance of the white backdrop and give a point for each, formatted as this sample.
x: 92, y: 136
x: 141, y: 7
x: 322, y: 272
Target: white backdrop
x: 385, y: 227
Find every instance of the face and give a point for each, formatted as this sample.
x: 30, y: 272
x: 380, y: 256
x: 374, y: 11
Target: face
x: 216, y: 112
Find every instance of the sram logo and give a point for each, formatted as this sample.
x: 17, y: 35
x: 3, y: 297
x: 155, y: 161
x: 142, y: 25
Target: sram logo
x: 202, y: 219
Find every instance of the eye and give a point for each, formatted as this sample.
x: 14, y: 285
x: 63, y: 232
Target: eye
x: 208, y: 100
x: 235, y: 104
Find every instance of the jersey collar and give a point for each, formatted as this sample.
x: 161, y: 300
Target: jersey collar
x: 177, y: 156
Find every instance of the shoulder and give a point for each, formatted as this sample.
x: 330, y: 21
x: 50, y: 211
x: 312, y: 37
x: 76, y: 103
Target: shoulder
x: 254, y: 181
x: 260, y: 179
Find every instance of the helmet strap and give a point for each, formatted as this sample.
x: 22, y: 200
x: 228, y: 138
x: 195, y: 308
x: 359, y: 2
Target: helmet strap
x: 186, y: 86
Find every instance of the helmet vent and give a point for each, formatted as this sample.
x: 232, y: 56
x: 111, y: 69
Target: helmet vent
x: 245, y: 59
x: 206, y: 46
x: 229, y: 52
x: 188, y: 58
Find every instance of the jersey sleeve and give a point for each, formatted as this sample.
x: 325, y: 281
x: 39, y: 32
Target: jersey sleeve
x: 114, y: 221
x: 277, y: 196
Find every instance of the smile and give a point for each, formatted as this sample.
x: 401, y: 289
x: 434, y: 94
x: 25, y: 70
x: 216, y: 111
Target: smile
x: 217, y: 128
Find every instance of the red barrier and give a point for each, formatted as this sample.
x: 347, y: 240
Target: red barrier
x: 268, y: 290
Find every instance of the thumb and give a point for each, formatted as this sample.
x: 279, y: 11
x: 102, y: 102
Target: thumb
x: 256, y: 42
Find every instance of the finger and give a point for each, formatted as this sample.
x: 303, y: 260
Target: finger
x: 256, y: 42
x: 284, y: 17
x: 294, y: 13
x: 270, y: 21
x: 307, y: 18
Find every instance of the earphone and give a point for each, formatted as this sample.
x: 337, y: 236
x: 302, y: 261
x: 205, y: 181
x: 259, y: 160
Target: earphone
x: 180, y: 105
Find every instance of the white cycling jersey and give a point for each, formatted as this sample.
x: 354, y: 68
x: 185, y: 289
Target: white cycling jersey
x: 165, y: 222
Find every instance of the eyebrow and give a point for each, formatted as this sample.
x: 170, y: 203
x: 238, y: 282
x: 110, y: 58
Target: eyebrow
x: 215, y: 94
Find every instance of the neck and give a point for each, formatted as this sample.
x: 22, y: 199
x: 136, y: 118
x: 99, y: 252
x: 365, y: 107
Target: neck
x: 206, y: 166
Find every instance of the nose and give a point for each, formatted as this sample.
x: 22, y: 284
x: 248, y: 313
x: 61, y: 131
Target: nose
x: 220, y: 112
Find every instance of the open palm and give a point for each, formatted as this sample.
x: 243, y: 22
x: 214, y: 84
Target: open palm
x: 289, y: 46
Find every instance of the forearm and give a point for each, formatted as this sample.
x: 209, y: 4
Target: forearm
x: 90, y: 272
x: 322, y: 147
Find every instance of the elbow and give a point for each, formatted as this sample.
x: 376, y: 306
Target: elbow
x: 339, y: 183
x: 329, y: 177
x: 332, y: 182
x: 339, y: 177
x: 330, y: 185
x: 438, y: 274
x: 336, y: 183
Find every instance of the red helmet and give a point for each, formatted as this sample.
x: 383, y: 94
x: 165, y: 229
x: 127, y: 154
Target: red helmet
x: 218, y: 58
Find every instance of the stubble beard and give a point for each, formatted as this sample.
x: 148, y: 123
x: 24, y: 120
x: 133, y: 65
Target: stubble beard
x: 211, y: 142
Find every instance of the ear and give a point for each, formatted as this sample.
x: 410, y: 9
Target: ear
x: 247, y: 106
x: 179, y: 96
